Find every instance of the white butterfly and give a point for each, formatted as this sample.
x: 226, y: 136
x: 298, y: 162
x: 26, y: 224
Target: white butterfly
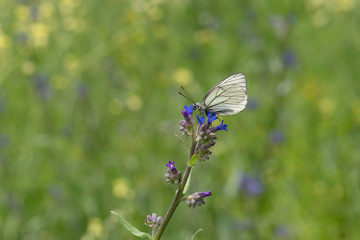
x: 228, y: 97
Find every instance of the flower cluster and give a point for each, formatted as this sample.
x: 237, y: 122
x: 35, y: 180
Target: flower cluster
x: 173, y: 176
x: 153, y: 221
x: 196, y: 199
x: 206, y: 135
x: 188, y: 122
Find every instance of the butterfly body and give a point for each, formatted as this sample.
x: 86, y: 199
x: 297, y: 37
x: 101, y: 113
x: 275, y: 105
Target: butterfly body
x: 228, y: 97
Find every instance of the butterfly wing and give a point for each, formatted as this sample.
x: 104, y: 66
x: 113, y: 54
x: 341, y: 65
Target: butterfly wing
x: 228, y: 97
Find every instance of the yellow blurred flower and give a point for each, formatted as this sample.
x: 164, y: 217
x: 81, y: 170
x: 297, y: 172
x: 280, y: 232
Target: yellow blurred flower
x: 204, y: 36
x: 22, y: 12
x: 46, y: 10
x: 39, y: 33
x: 315, y: 4
x: 116, y: 107
x: 60, y: 82
x: 95, y: 229
x: 71, y: 62
x: 331, y: 5
x: 28, y: 68
x: 140, y: 37
x: 131, y: 16
x: 182, y: 76
x: 327, y: 106
x: 121, y: 189
x: 159, y: 31
x: 356, y: 110
x: 344, y: 5
x: 155, y: 13
x: 5, y: 41
x: 71, y: 23
x: 67, y: 6
x: 134, y: 102
x: 310, y: 90
x: 320, y: 18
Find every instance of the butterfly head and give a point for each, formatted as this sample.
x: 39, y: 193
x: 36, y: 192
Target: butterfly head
x: 201, y: 108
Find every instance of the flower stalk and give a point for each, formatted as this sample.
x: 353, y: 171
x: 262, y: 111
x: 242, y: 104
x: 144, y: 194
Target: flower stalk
x: 203, y: 138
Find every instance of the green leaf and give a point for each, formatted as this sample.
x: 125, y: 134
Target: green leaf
x: 131, y: 228
x: 193, y: 237
x: 192, y: 160
x: 187, y: 184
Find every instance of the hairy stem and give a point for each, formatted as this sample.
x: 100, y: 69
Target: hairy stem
x: 179, y: 193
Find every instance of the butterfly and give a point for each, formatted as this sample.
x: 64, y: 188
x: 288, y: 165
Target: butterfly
x: 228, y: 97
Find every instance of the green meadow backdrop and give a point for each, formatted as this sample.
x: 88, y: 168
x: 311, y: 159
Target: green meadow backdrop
x: 89, y: 108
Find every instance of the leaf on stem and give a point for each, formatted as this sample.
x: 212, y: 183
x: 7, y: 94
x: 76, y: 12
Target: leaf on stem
x: 187, y: 184
x: 192, y: 160
x: 193, y: 237
x: 131, y: 228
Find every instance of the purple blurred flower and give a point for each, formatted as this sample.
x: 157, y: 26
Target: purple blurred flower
x: 251, y: 186
x: 282, y: 231
x: 243, y: 225
x: 4, y: 140
x: 253, y: 103
x: 34, y: 13
x: 276, y: 136
x: 21, y: 37
x: 289, y: 58
x: 82, y: 90
x: 41, y: 84
x: 1, y: 105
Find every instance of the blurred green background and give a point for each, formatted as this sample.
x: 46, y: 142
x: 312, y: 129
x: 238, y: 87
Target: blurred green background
x: 89, y: 108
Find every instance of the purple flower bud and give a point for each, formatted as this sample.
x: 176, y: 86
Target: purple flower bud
x: 173, y: 176
x: 185, y: 113
x: 196, y: 199
x: 207, y: 193
x: 153, y: 221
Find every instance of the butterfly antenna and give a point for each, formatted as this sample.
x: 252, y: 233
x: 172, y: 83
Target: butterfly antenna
x: 187, y: 95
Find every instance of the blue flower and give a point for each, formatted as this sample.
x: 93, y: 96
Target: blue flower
x: 189, y: 109
x: 211, y: 117
x: 201, y: 119
x: 222, y: 126
x: 171, y: 165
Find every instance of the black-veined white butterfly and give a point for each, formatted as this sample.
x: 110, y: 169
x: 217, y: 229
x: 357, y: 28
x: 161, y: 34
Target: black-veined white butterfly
x: 228, y: 97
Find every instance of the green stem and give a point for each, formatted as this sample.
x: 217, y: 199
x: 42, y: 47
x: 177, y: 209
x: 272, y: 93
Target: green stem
x: 178, y: 195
